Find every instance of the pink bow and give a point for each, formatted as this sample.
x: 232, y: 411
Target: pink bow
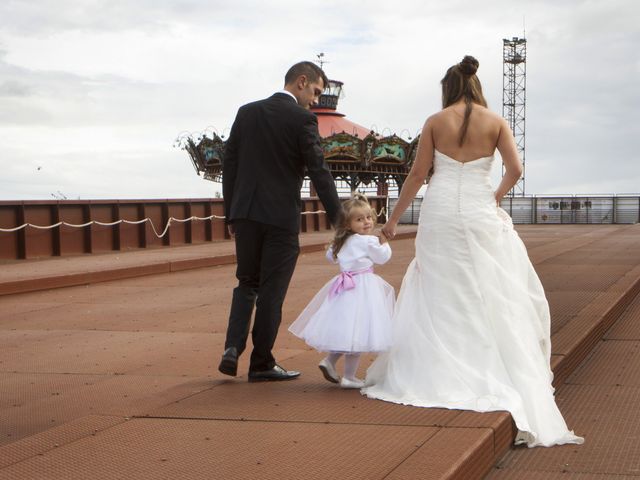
x: 345, y: 281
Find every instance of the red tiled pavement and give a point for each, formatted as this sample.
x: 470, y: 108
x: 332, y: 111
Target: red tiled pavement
x: 601, y: 400
x: 118, y: 379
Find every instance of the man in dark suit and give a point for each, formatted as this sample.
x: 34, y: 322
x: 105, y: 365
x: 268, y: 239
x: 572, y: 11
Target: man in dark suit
x: 272, y: 143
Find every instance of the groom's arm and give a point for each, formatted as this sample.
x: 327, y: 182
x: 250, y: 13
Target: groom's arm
x: 230, y: 166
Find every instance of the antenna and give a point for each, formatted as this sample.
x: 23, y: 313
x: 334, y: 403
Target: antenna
x: 321, y: 61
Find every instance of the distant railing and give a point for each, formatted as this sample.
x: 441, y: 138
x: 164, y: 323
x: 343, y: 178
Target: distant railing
x: 556, y: 209
x: 591, y: 209
x: 36, y: 229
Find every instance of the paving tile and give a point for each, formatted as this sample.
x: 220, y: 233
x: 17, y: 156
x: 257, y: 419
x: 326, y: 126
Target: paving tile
x: 628, y: 326
x: 497, y: 474
x: 54, y: 438
x: 608, y: 418
x: 452, y: 453
x: 612, y: 362
x: 173, y: 449
x: 123, y: 396
x: 306, y: 399
x: 501, y: 423
x: 103, y: 352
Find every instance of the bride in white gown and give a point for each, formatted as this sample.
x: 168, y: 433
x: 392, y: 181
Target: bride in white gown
x: 471, y: 324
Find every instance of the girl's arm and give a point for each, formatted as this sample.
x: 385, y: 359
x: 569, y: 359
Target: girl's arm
x: 329, y: 255
x: 377, y: 252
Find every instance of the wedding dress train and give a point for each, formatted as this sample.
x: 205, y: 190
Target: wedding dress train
x: 471, y: 324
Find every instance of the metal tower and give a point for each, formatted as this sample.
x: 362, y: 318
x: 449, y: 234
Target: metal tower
x: 514, y: 68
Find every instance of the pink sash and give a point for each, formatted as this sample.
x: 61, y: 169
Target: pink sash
x: 345, y: 281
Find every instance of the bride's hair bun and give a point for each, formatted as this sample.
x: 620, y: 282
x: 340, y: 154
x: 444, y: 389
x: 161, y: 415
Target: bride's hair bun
x: 469, y: 65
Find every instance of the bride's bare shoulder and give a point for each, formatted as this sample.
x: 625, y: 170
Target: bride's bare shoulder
x: 436, y: 117
x: 479, y: 109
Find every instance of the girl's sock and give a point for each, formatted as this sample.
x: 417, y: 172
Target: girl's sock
x: 333, y: 358
x: 351, y: 362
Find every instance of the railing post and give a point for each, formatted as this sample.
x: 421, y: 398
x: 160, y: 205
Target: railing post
x: 55, y: 233
x: 188, y: 226
x: 115, y: 216
x: 88, y: 230
x: 316, y: 216
x: 22, y: 233
x: 166, y: 240
x: 142, y: 228
x: 588, y: 208
x: 208, y: 228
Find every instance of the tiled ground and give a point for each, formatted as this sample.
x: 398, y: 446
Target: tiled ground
x: 118, y: 379
x: 601, y: 400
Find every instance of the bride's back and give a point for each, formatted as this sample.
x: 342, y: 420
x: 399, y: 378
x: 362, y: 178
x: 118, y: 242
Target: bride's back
x: 480, y: 139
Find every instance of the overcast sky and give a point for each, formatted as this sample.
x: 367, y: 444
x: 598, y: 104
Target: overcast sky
x: 93, y: 93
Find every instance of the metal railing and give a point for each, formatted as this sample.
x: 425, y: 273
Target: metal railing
x: 37, y: 229
x: 556, y: 209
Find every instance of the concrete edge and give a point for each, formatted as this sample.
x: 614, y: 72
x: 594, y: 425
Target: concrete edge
x: 564, y: 364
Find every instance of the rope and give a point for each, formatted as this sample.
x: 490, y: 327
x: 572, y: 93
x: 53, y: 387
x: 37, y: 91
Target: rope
x: 138, y: 222
x: 111, y: 224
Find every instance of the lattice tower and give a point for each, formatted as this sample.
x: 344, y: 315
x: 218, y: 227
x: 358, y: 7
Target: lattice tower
x: 514, y: 69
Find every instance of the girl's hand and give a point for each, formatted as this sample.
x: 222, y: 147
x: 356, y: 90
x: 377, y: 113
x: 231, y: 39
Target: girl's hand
x: 389, y: 230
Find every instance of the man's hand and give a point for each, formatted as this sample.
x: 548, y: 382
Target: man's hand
x: 231, y: 230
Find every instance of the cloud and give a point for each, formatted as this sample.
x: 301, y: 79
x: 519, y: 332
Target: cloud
x: 95, y: 91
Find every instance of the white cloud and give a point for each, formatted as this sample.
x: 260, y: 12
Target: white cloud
x: 95, y: 91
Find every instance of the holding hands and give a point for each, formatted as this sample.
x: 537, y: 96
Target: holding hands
x: 388, y: 231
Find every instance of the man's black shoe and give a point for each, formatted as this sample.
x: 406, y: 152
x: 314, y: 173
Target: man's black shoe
x: 277, y: 373
x: 229, y: 363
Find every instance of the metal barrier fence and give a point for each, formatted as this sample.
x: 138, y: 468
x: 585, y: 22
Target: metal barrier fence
x: 552, y: 209
x: 36, y: 229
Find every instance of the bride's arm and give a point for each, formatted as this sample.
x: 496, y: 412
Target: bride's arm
x: 510, y: 158
x: 415, y: 179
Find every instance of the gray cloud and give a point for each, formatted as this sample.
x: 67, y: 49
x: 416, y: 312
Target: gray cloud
x: 95, y: 91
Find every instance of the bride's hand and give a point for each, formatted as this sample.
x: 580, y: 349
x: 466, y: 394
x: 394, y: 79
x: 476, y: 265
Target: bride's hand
x: 389, y: 230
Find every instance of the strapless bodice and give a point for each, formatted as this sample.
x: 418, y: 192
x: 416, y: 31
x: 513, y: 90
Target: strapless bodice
x: 458, y: 187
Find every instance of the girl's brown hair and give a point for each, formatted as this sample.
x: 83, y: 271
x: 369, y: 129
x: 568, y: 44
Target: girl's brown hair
x: 461, y: 81
x: 343, y: 232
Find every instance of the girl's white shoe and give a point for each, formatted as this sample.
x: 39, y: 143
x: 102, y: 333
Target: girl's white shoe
x: 329, y: 371
x: 355, y: 383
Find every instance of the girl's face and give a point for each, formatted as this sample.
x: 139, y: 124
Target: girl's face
x: 361, y: 220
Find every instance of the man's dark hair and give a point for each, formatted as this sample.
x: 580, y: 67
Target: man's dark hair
x: 312, y: 71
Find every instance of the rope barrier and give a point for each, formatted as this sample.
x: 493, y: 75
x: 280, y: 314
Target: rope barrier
x: 138, y: 222
x: 111, y: 224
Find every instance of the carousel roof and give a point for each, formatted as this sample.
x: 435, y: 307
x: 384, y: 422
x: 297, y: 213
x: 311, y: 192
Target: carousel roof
x: 331, y: 122
x: 354, y: 154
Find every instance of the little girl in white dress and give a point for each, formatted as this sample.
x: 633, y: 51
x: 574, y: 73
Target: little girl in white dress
x: 352, y: 313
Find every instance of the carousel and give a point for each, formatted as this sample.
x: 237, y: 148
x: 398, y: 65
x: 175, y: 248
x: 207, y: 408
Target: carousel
x: 358, y: 158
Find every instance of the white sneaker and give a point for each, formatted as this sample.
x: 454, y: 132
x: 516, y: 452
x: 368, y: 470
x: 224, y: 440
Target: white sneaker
x: 329, y: 371
x: 355, y: 383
